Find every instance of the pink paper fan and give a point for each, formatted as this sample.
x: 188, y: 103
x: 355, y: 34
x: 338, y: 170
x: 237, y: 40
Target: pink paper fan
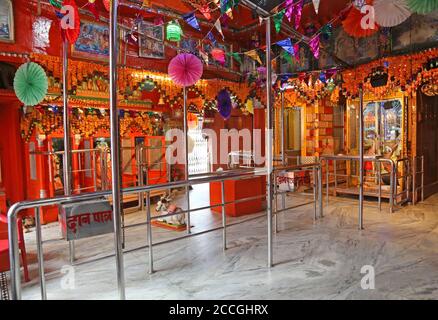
x: 185, y: 69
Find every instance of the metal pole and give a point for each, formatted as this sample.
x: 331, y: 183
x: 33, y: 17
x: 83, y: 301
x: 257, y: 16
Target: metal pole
x: 149, y: 227
x: 314, y: 192
x: 224, y: 218
x: 422, y: 178
x: 283, y: 156
x: 94, y: 170
x: 39, y: 243
x: 115, y: 148
x: 414, y: 180
x: 186, y: 162
x: 379, y: 176
x: 361, y: 162
x: 268, y: 161
x: 321, y: 214
x: 67, y: 141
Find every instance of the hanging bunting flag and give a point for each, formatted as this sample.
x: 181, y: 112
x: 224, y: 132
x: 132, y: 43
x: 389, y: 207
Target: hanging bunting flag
x: 56, y: 4
x: 91, y: 5
x: 224, y: 6
x: 218, y: 27
x: 190, y: 18
x: 278, y: 19
x: 204, y: 56
x: 297, y: 51
x: 235, y: 56
x: 290, y: 7
x: 316, y: 5
x: 298, y: 13
x: 218, y: 55
x: 205, y: 10
x: 286, y: 56
x: 286, y: 44
x: 254, y: 55
x: 212, y: 39
x: 327, y: 31
x: 314, y: 46
x: 260, y: 21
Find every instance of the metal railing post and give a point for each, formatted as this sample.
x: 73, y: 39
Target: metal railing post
x: 314, y: 192
x: 321, y: 209
x: 268, y: 139
x: 39, y: 244
x: 186, y: 153
x: 115, y: 147
x: 224, y: 218
x: 414, y: 180
x: 149, y: 231
x: 327, y: 177
x: 361, y: 159
x: 422, y: 178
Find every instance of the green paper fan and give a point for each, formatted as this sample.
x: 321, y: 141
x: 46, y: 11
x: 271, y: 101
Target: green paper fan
x: 30, y: 83
x: 423, y: 6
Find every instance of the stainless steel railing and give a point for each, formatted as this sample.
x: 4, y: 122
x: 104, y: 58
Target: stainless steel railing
x: 315, y: 170
x: 400, y: 178
x: 37, y: 204
x: 415, y: 174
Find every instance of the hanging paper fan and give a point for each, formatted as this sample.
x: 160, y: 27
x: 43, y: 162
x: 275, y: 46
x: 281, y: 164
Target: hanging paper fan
x: 353, y: 24
x: 224, y: 104
x: 390, y: 13
x: 185, y: 69
x: 107, y: 4
x: 423, y: 6
x: 72, y: 32
x: 30, y: 83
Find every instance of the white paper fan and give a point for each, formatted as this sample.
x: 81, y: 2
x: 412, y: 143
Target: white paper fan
x: 390, y: 13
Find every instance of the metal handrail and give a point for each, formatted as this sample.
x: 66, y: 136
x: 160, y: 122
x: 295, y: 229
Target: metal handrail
x: 374, y: 159
x: 316, y: 170
x: 415, y: 173
x: 37, y: 204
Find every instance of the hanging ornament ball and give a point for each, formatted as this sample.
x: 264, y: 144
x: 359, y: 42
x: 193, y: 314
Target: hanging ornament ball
x: 30, y: 83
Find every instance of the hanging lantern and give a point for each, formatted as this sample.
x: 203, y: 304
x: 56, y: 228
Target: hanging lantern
x: 173, y: 31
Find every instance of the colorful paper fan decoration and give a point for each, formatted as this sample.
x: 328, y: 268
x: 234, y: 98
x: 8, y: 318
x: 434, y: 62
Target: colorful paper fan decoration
x: 423, y: 6
x: 30, y: 83
x: 185, y: 69
x: 107, y: 4
x: 352, y: 24
x: 224, y: 104
x: 390, y: 13
x: 72, y: 34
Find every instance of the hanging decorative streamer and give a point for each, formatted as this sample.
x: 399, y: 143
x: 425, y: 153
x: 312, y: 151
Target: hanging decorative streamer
x: 278, y: 19
x: 223, y: 6
x: 211, y: 37
x: 254, y: 55
x: 218, y: 27
x: 298, y: 13
x: 190, y: 18
x: 56, y: 4
x: 316, y: 5
x: 286, y: 44
x: 297, y: 51
x: 290, y: 8
x: 287, y: 57
x: 314, y: 46
x: 235, y: 56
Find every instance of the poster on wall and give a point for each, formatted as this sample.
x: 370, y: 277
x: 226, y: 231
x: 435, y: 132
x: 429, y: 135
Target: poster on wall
x: 6, y: 21
x: 93, y: 41
x: 152, y: 44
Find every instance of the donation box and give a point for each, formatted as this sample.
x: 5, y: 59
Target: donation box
x: 86, y: 219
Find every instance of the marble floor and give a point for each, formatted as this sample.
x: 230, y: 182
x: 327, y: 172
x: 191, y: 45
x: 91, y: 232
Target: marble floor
x: 313, y: 260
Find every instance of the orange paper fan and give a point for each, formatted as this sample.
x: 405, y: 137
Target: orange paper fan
x: 355, y: 22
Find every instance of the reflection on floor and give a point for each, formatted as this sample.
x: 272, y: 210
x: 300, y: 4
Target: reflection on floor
x: 321, y: 260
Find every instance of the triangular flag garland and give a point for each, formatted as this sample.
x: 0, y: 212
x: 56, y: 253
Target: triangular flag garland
x: 190, y: 18
x: 235, y: 56
x: 287, y: 57
x: 298, y: 13
x: 290, y: 7
x: 316, y: 5
x: 314, y: 46
x: 211, y: 37
x: 254, y: 55
x: 218, y: 27
x: 286, y: 44
x: 278, y: 19
x: 205, y: 10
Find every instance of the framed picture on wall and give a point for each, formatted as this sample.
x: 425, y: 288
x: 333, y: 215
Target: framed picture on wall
x: 93, y: 41
x: 6, y: 21
x: 151, y: 45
